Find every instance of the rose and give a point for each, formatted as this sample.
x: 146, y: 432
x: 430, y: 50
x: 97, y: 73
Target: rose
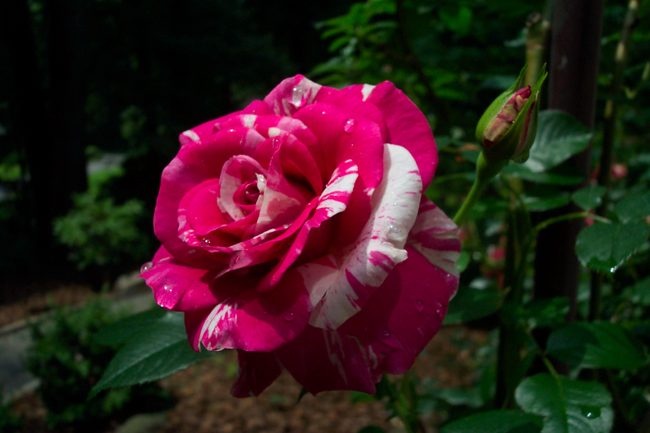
x: 295, y: 231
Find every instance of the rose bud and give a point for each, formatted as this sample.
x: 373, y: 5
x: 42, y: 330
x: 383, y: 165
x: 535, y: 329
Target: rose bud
x: 507, y: 129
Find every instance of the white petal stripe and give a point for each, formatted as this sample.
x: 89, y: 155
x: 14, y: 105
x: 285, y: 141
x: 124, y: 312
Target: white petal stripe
x: 379, y: 248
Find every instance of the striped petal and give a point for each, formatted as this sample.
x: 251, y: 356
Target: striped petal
x: 340, y: 285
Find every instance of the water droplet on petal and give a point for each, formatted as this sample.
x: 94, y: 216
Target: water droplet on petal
x: 289, y: 317
x: 168, y: 288
x: 438, y: 309
x: 296, y: 97
x: 419, y: 305
x: 207, y: 242
x: 386, y: 334
x: 349, y: 124
x: 146, y: 267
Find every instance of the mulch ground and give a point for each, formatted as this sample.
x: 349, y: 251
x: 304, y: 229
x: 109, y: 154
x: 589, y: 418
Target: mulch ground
x: 20, y: 301
x: 205, y: 405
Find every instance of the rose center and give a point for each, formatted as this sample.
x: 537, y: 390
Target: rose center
x: 246, y: 195
x: 251, y: 193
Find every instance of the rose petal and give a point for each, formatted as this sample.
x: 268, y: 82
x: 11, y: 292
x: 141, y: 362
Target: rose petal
x: 339, y: 286
x: 238, y: 170
x: 195, y: 163
x: 256, y: 372
x: 292, y: 94
x: 322, y: 360
x: 403, y: 314
x: 247, y: 320
x: 175, y: 286
x: 407, y: 126
x: 332, y: 201
x: 436, y: 237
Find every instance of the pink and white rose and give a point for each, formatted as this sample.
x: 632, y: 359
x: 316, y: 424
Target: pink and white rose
x: 296, y: 232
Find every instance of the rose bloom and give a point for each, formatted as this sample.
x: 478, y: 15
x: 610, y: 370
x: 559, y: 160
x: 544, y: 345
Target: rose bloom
x: 295, y: 231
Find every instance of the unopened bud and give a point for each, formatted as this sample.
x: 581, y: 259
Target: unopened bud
x: 507, y: 129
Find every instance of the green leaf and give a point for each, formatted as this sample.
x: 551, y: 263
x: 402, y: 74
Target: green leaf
x: 496, y: 421
x: 633, y: 207
x: 568, y: 406
x: 547, y: 312
x: 118, y: 333
x: 605, y: 247
x: 155, y: 350
x: 471, y: 304
x: 589, y: 197
x: 596, y: 345
x: 540, y: 204
x: 559, y: 137
x: 639, y: 293
x: 523, y: 172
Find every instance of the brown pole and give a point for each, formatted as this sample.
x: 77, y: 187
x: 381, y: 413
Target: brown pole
x: 575, y: 51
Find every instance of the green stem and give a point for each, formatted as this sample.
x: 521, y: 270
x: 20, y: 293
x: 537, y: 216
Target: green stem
x: 485, y: 171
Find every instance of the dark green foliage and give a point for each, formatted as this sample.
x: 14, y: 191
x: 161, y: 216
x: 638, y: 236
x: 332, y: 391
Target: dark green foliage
x: 152, y: 345
x: 68, y: 361
x: 8, y: 421
x: 103, y: 237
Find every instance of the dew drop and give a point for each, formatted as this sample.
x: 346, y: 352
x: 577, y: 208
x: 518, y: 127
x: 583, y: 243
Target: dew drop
x: 296, y: 97
x: 419, y: 305
x: 167, y: 288
x: 289, y: 317
x: 386, y: 334
x: 438, y: 309
x: 207, y: 242
x: 146, y: 267
x: 590, y: 412
x: 349, y: 124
